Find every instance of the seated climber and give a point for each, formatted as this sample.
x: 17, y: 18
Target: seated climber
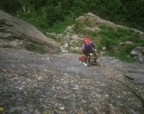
x: 88, y: 48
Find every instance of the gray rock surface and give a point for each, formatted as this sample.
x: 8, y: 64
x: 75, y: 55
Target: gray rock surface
x: 138, y: 53
x: 17, y: 33
x: 33, y: 83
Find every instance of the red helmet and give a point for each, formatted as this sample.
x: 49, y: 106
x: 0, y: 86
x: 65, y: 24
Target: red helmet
x: 86, y: 40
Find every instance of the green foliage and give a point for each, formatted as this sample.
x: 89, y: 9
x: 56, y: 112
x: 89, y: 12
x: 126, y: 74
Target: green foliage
x: 9, y: 5
x: 108, y: 42
x: 111, y: 38
x: 59, y: 26
x: 122, y: 53
x: 128, y: 12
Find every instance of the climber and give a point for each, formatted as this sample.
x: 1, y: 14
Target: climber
x: 88, y: 49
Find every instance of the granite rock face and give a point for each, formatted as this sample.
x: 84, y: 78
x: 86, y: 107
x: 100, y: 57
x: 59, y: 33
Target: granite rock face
x: 19, y: 34
x: 34, y: 83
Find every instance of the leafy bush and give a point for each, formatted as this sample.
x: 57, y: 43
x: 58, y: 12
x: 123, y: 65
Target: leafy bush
x: 107, y: 42
x: 59, y: 26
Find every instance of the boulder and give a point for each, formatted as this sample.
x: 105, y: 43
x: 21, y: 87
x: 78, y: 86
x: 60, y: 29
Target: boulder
x: 18, y: 34
x: 138, y: 53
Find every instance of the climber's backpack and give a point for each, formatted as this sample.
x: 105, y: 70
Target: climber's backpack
x: 82, y: 58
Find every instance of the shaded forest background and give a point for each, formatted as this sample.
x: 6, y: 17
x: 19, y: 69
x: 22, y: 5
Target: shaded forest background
x: 56, y: 15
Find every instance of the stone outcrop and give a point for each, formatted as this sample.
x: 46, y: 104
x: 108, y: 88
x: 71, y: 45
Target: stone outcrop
x: 138, y: 53
x: 19, y: 34
x: 94, y: 19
